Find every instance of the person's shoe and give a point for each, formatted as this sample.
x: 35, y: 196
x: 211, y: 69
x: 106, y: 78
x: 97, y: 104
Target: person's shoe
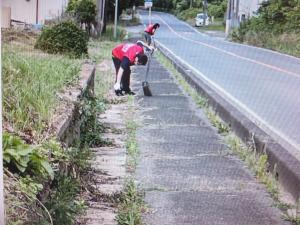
x: 129, y: 92
x: 119, y: 92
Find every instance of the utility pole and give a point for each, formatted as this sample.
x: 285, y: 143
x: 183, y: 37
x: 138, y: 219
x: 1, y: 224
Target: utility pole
x: 228, y: 18
x: 2, y: 209
x: 237, y: 9
x: 116, y: 19
x: 149, y: 15
x: 204, y: 12
x: 100, y: 16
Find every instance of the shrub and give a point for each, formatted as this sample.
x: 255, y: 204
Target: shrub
x: 65, y: 38
x: 189, y: 13
x: 217, y: 10
x: 86, y: 11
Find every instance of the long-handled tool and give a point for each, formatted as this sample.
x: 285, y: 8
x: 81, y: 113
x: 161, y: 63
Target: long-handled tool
x: 145, y: 84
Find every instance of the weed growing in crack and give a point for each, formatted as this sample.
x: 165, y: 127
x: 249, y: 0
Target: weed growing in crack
x: 91, y: 128
x: 217, y: 122
x: 131, y: 205
x: 256, y: 162
x: 131, y: 201
x: 131, y: 145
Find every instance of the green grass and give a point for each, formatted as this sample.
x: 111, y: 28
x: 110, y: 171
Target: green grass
x: 131, y: 142
x: 30, y: 84
x: 288, y: 43
x: 108, y: 35
x: 211, y: 27
x: 100, y: 52
x: 131, y: 205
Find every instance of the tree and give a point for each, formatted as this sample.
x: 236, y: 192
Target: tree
x: 84, y: 11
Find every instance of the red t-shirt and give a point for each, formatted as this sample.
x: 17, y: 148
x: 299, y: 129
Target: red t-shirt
x: 127, y: 50
x: 150, y: 29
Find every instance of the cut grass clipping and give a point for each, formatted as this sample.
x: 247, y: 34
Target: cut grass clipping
x: 247, y: 152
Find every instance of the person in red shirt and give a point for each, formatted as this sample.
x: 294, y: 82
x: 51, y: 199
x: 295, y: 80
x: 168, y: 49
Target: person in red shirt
x: 149, y: 31
x: 124, y: 56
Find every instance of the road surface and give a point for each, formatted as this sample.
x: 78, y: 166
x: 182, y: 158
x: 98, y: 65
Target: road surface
x: 263, y: 84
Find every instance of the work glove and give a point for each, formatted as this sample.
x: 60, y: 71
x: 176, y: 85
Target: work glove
x: 117, y: 86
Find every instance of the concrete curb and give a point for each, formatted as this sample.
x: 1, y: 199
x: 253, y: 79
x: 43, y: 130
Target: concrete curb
x: 287, y: 166
x: 68, y: 125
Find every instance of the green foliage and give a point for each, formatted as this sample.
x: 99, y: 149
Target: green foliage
x: 27, y: 108
x: 69, y: 166
x: 288, y: 43
x: 280, y: 16
x: 131, y: 144
x: 65, y: 38
x: 62, y: 203
x: 72, y: 5
x: 20, y: 157
x: 131, y: 204
x: 217, y: 122
x: 85, y: 11
x: 90, y: 127
x: 276, y: 27
x: 217, y: 10
x: 188, y: 13
x: 109, y: 34
x: 179, y: 5
x: 30, y: 186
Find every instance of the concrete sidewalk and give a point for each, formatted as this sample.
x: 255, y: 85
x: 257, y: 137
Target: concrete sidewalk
x: 185, y: 168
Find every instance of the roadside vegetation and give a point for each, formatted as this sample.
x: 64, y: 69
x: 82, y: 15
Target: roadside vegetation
x: 247, y: 152
x: 276, y: 27
x: 131, y: 203
x: 44, y: 180
x: 31, y: 80
x: 187, y: 11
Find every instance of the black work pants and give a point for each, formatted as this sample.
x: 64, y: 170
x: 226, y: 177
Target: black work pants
x: 125, y: 81
x: 147, y: 38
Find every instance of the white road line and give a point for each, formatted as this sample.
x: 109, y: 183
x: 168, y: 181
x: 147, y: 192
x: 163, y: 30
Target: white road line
x: 260, y: 122
x: 230, y: 53
x: 237, y: 44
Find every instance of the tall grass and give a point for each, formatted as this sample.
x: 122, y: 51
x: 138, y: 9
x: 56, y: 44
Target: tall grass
x: 288, y: 43
x: 30, y: 84
x: 108, y: 35
x: 100, y: 52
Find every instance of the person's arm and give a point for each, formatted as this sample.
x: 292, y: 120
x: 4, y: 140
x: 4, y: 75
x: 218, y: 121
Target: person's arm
x: 119, y: 76
x: 143, y: 44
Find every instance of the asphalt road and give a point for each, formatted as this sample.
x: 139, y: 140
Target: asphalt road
x: 263, y: 84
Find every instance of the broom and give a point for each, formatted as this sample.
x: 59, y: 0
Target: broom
x: 145, y: 84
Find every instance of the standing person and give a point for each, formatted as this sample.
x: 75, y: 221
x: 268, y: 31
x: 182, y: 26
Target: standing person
x: 124, y: 56
x: 149, y: 31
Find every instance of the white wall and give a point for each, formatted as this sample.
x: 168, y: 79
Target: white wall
x: 25, y: 11
x: 50, y: 9
x: 21, y: 10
